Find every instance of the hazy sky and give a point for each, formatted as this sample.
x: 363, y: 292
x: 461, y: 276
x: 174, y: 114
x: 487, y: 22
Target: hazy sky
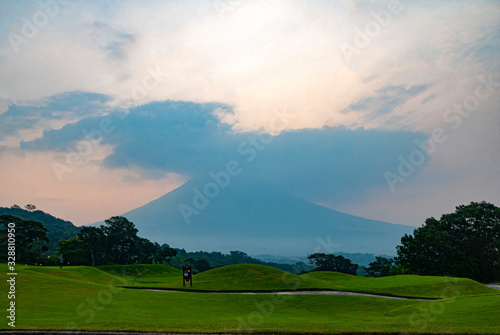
x: 382, y: 109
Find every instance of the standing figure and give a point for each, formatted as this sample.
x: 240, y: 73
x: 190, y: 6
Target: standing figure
x: 187, y: 275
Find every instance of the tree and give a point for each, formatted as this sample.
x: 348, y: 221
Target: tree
x: 167, y: 253
x: 330, y: 262
x: 73, y: 251
x: 31, y: 238
x: 190, y: 261
x: 202, y: 265
x: 30, y: 207
x: 115, y: 242
x: 381, y: 267
x: 146, y: 251
x: 140, y: 273
x: 238, y: 257
x: 121, y: 235
x: 94, y: 242
x: 465, y: 243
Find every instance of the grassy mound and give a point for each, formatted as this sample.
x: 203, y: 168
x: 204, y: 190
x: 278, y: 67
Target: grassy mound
x: 402, y: 285
x: 245, y: 277
x: 231, y: 278
x: 329, y: 276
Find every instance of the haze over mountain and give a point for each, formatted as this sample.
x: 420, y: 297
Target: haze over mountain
x: 256, y: 218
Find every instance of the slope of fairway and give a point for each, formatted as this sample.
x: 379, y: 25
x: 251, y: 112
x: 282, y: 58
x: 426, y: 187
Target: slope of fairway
x: 118, y: 274
x: 155, y: 273
x: 246, y: 277
x: 84, y: 273
x: 402, y: 285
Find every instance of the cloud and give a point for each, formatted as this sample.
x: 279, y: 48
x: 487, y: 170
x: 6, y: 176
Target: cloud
x: 114, y: 42
x: 283, y: 52
x: 331, y: 165
x: 44, y: 114
x: 385, y: 100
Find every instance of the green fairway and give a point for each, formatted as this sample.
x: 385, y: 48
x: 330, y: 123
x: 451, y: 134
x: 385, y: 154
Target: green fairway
x: 85, y: 273
x: 86, y: 298
x: 155, y: 274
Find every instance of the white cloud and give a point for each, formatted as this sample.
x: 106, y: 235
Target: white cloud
x: 281, y: 52
x: 269, y: 54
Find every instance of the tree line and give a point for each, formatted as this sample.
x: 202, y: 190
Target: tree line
x: 30, y: 238
x: 465, y: 243
x: 115, y: 242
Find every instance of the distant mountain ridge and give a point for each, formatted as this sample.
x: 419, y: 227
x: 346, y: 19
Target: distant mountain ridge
x: 58, y: 229
x: 257, y: 219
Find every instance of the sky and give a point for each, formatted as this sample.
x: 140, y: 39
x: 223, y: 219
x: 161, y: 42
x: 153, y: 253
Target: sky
x: 382, y: 109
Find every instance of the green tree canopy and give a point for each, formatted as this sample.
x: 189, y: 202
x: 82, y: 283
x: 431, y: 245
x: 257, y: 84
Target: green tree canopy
x: 31, y: 238
x: 121, y: 237
x: 94, y: 243
x: 202, y: 265
x: 330, y: 262
x: 381, y: 267
x: 465, y: 243
x: 73, y: 251
x: 115, y: 242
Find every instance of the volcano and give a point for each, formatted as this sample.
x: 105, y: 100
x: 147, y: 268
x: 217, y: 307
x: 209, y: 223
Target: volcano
x: 248, y: 216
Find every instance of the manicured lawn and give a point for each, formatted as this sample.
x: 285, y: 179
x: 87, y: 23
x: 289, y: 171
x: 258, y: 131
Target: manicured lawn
x: 85, y: 273
x: 156, y: 274
x: 403, y: 285
x: 85, y: 298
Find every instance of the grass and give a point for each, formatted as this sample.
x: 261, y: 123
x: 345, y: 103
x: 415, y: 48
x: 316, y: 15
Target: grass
x: 83, y: 273
x: 156, y: 274
x: 86, y: 298
x: 402, y: 285
x: 259, y: 277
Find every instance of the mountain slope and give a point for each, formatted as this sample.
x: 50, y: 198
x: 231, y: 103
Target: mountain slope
x: 57, y: 229
x: 255, y: 218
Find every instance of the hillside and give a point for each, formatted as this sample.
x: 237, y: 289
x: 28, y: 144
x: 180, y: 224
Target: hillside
x: 58, y: 229
x: 256, y: 218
